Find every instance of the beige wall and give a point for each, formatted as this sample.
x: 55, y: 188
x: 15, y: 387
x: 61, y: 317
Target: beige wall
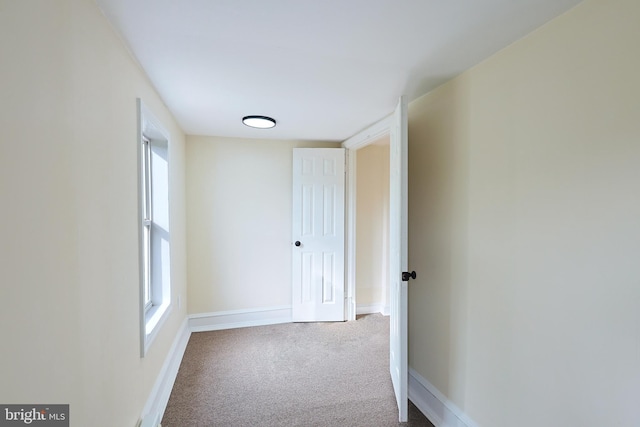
x: 239, y: 222
x: 69, y: 287
x: 524, y: 227
x: 372, y: 224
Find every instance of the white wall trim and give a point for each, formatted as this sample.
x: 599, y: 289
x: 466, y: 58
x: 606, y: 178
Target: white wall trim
x: 159, y: 397
x: 240, y: 318
x: 350, y: 233
x: 434, y: 405
x: 373, y: 308
x: 369, y: 135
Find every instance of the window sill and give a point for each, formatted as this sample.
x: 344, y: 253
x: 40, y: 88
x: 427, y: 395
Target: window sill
x: 153, y: 321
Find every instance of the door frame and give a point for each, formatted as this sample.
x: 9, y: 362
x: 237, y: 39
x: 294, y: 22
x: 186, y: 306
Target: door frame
x: 396, y: 126
x: 360, y: 140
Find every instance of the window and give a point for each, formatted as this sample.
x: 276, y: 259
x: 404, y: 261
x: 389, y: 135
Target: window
x: 146, y: 222
x: 154, y: 258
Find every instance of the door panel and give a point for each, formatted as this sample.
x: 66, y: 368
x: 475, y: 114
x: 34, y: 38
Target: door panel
x: 398, y: 236
x: 318, y: 226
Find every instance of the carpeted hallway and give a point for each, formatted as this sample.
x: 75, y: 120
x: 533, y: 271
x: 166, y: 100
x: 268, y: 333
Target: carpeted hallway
x: 295, y: 374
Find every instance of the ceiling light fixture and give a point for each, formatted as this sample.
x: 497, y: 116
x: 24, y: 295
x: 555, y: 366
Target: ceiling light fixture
x: 260, y: 122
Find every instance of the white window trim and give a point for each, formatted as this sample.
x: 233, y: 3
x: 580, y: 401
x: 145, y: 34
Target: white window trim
x: 147, y: 222
x: 151, y: 317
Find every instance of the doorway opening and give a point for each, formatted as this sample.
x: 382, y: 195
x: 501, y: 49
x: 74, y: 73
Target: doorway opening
x: 372, y: 227
x: 396, y: 126
x: 368, y: 220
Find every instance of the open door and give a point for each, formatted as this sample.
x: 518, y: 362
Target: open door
x: 318, y: 234
x: 398, y: 240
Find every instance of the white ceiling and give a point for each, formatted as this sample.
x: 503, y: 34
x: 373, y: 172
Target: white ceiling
x: 324, y: 69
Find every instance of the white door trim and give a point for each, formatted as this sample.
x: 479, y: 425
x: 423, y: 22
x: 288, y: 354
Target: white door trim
x: 360, y: 140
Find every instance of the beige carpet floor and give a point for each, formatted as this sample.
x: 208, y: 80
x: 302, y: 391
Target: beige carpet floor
x: 295, y: 374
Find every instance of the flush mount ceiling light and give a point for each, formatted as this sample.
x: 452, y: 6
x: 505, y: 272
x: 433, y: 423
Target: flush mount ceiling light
x: 260, y: 122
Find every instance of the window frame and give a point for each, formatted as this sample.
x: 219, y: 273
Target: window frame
x: 155, y: 290
x: 146, y: 188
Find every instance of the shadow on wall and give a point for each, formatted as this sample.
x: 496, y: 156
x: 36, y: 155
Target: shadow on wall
x: 438, y: 187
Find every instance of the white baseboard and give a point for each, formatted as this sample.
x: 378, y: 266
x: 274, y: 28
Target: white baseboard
x: 159, y: 396
x: 434, y: 405
x: 239, y: 318
x: 386, y: 310
x: 373, y: 308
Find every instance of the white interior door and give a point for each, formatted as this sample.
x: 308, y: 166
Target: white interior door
x: 318, y: 234
x: 398, y: 236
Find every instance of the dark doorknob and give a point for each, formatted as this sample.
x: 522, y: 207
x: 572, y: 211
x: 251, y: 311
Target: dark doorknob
x: 298, y: 243
x: 406, y: 276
